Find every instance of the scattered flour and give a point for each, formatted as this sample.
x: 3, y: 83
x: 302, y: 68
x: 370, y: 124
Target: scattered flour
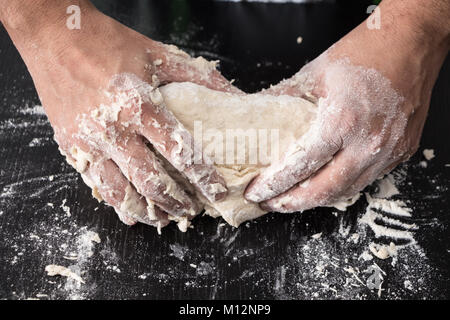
x: 428, y: 154
x: 323, y: 268
x: 384, y: 217
x: 53, y: 270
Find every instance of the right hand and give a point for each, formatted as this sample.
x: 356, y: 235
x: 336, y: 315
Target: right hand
x: 98, y: 86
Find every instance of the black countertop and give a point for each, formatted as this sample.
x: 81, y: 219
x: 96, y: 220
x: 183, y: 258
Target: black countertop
x: 47, y: 214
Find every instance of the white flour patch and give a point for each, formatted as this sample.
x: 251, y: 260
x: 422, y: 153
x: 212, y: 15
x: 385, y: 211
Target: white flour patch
x: 35, y: 187
x: 81, y: 253
x: 428, y: 154
x: 385, y: 217
x: 354, y: 264
x: 386, y: 187
x: 36, y: 110
x: 178, y: 251
x: 55, y: 270
x: 38, y: 142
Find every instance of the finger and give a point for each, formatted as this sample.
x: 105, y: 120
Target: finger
x: 176, y: 144
x: 169, y: 137
x: 142, y: 168
x: 304, y: 84
x: 200, y: 71
x: 109, y: 184
x: 322, y: 189
x: 170, y: 64
x: 302, y: 159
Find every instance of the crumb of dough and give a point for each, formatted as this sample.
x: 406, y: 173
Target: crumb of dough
x: 382, y: 251
x: 317, y: 235
x: 428, y: 154
x: 54, y: 270
x: 299, y: 40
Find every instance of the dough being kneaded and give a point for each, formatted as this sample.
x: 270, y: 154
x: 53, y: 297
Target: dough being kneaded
x: 219, y: 118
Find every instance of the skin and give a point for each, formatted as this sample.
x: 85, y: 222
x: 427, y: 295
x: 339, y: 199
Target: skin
x: 356, y: 141
x: 72, y: 70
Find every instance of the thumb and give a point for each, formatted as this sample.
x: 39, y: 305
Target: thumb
x: 178, y: 66
x: 302, y: 159
x: 304, y: 84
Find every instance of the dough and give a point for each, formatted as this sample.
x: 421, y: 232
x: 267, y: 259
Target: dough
x: 218, y: 119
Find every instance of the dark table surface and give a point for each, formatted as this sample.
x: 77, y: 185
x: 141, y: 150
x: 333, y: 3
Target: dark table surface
x: 47, y: 214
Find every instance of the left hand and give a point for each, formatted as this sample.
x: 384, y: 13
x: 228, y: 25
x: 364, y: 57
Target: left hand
x: 372, y: 106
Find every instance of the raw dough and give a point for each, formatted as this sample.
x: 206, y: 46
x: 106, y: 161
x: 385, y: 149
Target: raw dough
x: 218, y: 112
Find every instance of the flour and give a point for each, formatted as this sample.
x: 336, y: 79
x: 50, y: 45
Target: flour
x: 35, y: 187
x: 428, y: 154
x: 383, y: 251
x: 317, y: 235
x: 386, y: 188
x: 35, y: 110
x: 39, y: 142
x: 311, y: 268
x: 53, y: 270
x: 178, y: 251
x: 65, y: 208
x: 384, y: 217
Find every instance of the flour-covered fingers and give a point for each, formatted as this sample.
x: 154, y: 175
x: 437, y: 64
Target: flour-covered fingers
x: 176, y: 144
x: 88, y: 161
x: 142, y: 168
x: 324, y: 188
x: 108, y: 183
x: 302, y: 159
x: 199, y: 71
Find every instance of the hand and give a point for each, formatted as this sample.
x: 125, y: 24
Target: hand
x: 372, y: 90
x: 98, y: 86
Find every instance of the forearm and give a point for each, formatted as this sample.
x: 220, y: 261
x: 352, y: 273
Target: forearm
x: 425, y: 22
x: 40, y: 24
x: 417, y: 33
x: 29, y: 18
x: 407, y: 43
